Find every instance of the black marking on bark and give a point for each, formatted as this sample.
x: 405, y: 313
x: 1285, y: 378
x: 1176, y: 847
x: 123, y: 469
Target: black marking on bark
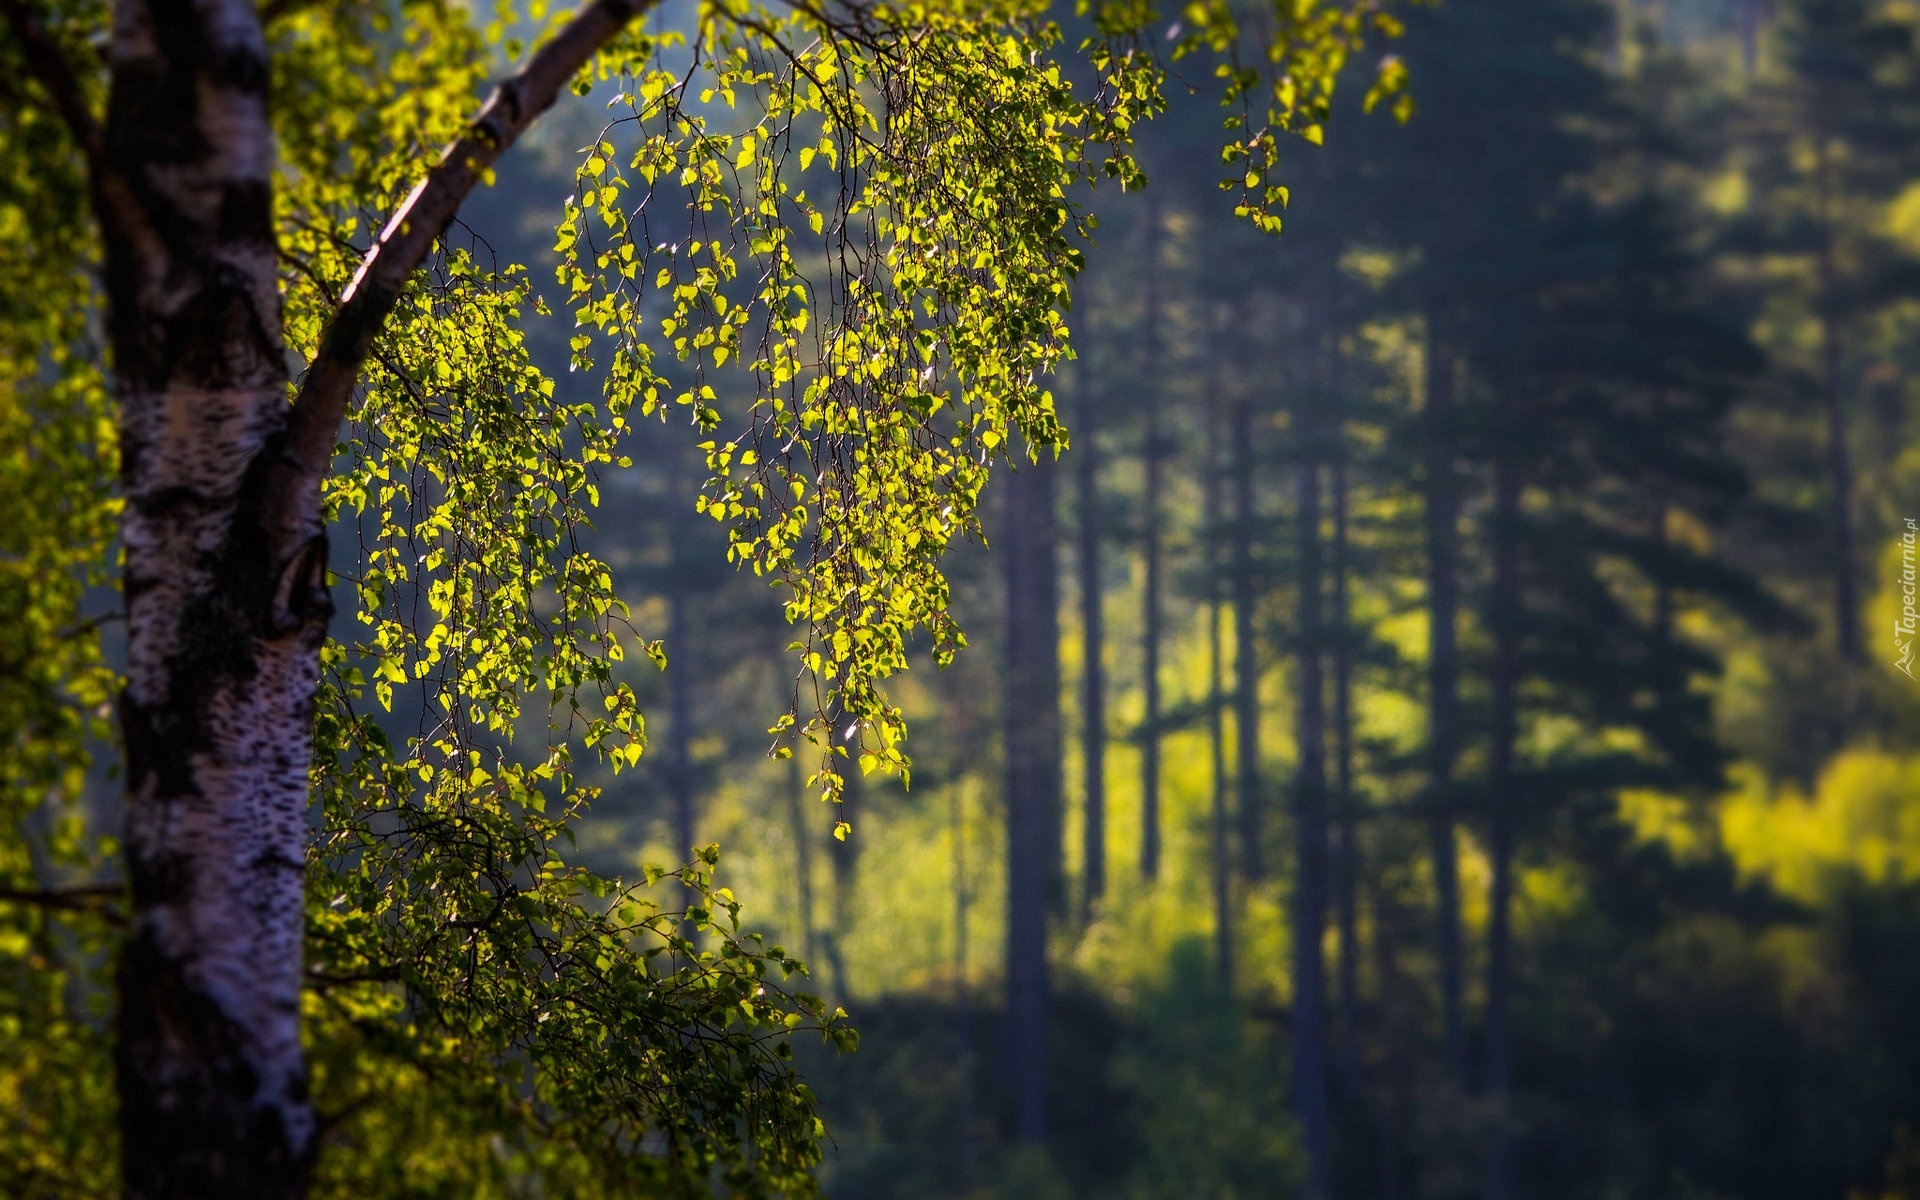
x: 193, y: 1126
x: 150, y: 115
x: 246, y: 213
x: 219, y: 340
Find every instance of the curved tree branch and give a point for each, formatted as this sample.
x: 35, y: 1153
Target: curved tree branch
x: 421, y: 219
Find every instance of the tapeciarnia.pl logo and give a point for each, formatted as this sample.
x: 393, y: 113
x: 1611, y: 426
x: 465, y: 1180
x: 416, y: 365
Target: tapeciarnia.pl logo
x: 1909, y: 620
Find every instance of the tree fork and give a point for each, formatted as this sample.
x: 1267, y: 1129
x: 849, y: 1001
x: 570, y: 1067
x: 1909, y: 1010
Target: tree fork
x: 227, y: 604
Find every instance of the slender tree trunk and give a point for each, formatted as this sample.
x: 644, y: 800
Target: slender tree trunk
x: 680, y: 729
x: 1151, y: 453
x: 1347, y: 867
x: 962, y: 991
x: 1752, y: 17
x: 1093, y: 681
x: 1310, y: 832
x: 1501, y: 813
x: 1246, y: 649
x: 1221, y: 866
x: 802, y: 831
x: 1443, y: 734
x: 226, y: 610
x: 1033, y: 781
x: 1395, y: 1048
x: 1846, y: 584
x: 844, y: 856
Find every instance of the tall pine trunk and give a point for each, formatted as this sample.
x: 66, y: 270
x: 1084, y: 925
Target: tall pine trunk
x: 802, y: 832
x: 962, y: 991
x: 1443, y: 718
x: 1310, y: 848
x: 1753, y: 16
x: 1846, y: 584
x: 843, y: 855
x: 1093, y: 680
x: 1151, y: 453
x: 1032, y: 783
x: 680, y: 790
x: 1347, y: 866
x: 1221, y: 864
x: 1246, y: 649
x: 1505, y: 615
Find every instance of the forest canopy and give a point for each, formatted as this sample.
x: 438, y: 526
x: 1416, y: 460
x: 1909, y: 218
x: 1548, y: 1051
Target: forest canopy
x: 252, y: 360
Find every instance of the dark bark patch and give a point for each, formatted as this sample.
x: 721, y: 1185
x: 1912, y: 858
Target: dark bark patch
x: 193, y: 1125
x: 220, y: 340
x: 246, y: 213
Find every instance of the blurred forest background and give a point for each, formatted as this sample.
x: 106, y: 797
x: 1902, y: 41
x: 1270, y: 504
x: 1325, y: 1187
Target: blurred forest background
x: 1442, y: 719
x: 1441, y: 730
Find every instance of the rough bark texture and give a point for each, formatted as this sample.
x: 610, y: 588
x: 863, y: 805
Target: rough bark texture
x: 1310, y: 868
x: 1501, y: 814
x: 1093, y: 680
x: 225, y: 573
x: 226, y: 609
x: 1033, y: 784
x: 1443, y: 683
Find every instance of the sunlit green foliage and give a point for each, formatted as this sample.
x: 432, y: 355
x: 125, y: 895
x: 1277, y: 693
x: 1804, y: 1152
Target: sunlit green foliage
x: 875, y: 212
x: 57, y: 516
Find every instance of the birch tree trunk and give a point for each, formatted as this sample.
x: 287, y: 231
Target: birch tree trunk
x: 226, y: 611
x: 225, y: 576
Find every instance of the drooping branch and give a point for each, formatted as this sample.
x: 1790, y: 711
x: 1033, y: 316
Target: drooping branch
x: 424, y: 215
